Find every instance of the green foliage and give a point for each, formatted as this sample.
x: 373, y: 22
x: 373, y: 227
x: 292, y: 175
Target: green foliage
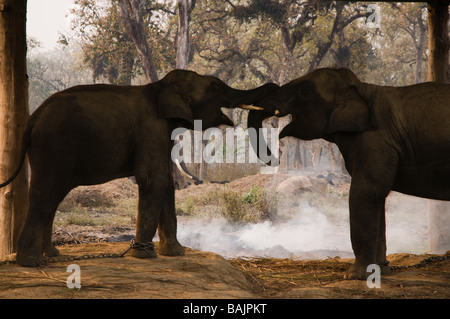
x: 79, y: 216
x: 252, y: 196
x: 189, y: 206
x: 232, y: 206
x: 254, y: 206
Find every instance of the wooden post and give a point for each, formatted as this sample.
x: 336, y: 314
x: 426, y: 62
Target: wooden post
x: 438, y: 43
x: 13, y: 116
x: 438, y: 211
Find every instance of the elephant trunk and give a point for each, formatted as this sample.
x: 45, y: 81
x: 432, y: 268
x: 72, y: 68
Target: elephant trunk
x: 259, y: 144
x: 247, y: 98
x: 250, y: 100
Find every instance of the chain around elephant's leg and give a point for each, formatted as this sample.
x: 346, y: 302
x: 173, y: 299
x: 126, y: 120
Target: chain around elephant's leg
x: 148, y: 214
x: 152, y: 188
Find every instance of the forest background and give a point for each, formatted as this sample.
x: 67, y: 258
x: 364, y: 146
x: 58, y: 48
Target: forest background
x: 245, y: 43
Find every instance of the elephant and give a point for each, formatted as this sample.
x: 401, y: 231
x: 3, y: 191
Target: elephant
x: 91, y: 134
x: 391, y: 138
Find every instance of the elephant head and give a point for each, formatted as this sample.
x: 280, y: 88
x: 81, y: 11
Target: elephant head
x: 189, y: 96
x: 322, y: 103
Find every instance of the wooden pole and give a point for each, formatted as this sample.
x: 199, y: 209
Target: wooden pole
x: 438, y: 43
x: 438, y: 211
x: 13, y: 116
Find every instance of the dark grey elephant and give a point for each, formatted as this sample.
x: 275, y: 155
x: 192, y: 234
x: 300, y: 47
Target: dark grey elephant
x: 391, y: 138
x: 92, y: 134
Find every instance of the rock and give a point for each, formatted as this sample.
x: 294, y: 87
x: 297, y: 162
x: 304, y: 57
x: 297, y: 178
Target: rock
x: 294, y: 185
x: 278, y: 251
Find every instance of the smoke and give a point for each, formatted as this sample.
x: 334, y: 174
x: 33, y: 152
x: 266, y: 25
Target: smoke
x: 308, y: 233
x: 406, y: 224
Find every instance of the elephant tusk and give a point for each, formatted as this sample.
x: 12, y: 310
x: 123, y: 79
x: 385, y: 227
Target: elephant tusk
x: 250, y: 107
x: 181, y: 169
x: 276, y: 112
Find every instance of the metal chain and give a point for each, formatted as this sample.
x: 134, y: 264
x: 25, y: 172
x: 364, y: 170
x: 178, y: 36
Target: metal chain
x: 148, y: 247
x: 426, y: 262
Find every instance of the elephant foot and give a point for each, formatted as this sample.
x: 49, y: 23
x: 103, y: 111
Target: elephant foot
x: 30, y: 260
x: 172, y: 249
x: 51, y: 251
x: 359, y: 272
x: 356, y: 273
x: 143, y: 250
x: 137, y: 253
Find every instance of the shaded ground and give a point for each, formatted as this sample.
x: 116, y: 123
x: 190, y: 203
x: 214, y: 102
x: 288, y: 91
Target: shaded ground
x: 196, y: 275
x: 204, y: 275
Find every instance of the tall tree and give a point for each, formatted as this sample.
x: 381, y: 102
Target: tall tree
x: 131, y: 14
x: 343, y: 17
x: 182, y: 42
x: 295, y: 22
x: 109, y: 49
x: 416, y: 26
x: 13, y: 116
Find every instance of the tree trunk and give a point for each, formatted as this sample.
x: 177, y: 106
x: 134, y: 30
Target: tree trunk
x: 182, y: 40
x: 438, y: 226
x: 13, y: 117
x: 298, y: 164
x: 438, y: 43
x: 283, y: 78
x: 286, y: 63
x: 332, y: 157
x: 323, y: 47
x: 438, y: 212
x: 130, y: 13
x: 419, y: 48
x: 283, y: 146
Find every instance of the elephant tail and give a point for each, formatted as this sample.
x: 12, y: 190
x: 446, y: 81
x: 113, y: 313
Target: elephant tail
x: 23, y: 152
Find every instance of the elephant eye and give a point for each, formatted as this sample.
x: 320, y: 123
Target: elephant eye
x: 186, y: 98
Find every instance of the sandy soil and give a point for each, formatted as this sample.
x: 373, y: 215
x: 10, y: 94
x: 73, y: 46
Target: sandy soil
x: 205, y: 275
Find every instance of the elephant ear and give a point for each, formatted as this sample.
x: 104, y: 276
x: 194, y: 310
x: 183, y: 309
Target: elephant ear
x: 173, y: 104
x: 352, y: 113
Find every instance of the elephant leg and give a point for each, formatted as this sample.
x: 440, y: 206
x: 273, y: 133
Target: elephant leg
x: 48, y: 248
x: 381, y: 241
x: 35, y: 238
x: 149, y: 209
x: 167, y: 227
x: 364, y: 216
x: 367, y: 224
x: 156, y: 210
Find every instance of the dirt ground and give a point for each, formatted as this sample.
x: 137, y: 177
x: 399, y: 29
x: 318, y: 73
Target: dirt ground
x: 206, y: 275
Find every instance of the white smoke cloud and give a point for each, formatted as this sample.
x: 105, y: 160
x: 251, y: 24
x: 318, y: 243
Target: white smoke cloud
x: 307, y: 234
